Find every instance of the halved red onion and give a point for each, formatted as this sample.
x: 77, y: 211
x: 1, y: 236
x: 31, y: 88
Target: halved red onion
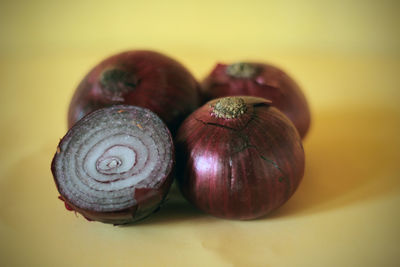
x: 115, y: 164
x: 239, y: 158
x: 142, y: 78
x: 260, y: 80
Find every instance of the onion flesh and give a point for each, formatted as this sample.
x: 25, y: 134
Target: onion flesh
x: 115, y: 165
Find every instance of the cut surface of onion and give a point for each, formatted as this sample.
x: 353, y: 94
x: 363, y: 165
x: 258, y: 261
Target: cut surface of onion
x: 115, y: 164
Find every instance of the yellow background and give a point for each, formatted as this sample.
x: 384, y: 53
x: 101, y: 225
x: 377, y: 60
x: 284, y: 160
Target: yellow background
x: 345, y: 54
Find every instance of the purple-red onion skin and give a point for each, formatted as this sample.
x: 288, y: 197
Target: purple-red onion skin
x: 148, y: 203
x: 147, y: 79
x: 270, y: 83
x: 241, y: 168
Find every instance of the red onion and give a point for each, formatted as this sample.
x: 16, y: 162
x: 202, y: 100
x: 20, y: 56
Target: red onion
x: 141, y: 78
x: 115, y: 164
x: 239, y: 157
x: 262, y: 80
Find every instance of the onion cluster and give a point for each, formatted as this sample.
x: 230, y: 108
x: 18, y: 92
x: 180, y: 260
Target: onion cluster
x: 239, y: 156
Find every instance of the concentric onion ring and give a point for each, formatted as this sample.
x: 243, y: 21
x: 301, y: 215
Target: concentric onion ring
x: 115, y: 164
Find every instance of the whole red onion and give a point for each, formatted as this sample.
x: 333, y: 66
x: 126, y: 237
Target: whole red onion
x: 141, y: 78
x: 115, y: 164
x: 262, y: 80
x: 239, y: 157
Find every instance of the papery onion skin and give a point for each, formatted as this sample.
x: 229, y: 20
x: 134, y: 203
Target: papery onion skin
x: 85, y: 167
x: 260, y: 80
x: 142, y: 78
x: 239, y: 168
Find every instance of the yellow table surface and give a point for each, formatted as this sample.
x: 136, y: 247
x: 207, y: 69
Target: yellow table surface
x: 343, y: 53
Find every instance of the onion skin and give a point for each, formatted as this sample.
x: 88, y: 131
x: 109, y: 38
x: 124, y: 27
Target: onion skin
x: 265, y: 81
x: 239, y: 168
x: 142, y: 78
x: 97, y: 180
